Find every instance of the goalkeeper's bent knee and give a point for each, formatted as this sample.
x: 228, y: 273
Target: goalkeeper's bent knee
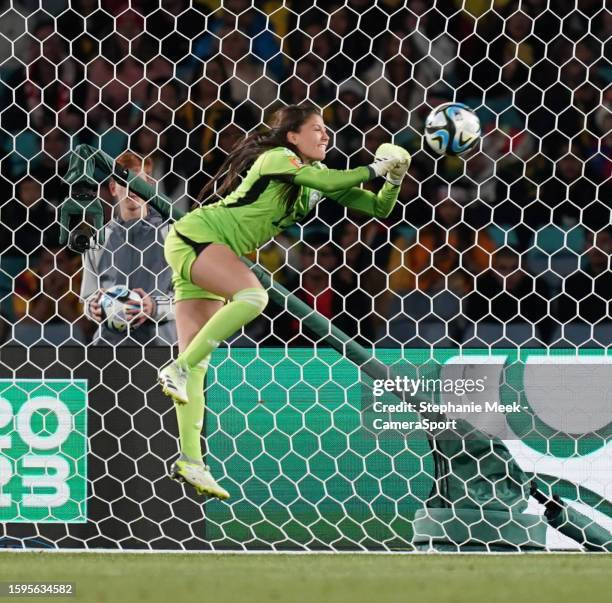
x: 246, y: 305
x: 256, y: 298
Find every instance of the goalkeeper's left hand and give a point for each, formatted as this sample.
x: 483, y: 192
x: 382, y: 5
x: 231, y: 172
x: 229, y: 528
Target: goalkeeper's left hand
x: 391, y: 151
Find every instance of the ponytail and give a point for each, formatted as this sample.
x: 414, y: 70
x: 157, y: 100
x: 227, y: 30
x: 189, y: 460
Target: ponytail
x: 244, y: 153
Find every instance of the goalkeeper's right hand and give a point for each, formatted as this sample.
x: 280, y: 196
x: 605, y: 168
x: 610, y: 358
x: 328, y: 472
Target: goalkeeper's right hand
x: 381, y: 166
x: 399, y: 159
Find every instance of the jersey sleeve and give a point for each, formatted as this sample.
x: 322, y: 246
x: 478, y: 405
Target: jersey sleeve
x: 379, y: 205
x: 286, y: 165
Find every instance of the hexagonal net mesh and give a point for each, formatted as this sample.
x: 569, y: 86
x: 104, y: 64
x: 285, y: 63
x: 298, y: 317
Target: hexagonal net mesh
x: 500, y: 258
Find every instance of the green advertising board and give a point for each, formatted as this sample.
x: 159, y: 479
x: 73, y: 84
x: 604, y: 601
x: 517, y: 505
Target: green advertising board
x: 43, y: 450
x: 285, y: 428
x: 284, y: 434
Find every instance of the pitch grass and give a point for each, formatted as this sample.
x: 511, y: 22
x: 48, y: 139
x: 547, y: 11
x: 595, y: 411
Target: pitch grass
x: 119, y: 578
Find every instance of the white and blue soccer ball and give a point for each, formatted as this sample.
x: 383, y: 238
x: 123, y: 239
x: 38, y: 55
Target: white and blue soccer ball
x: 114, y: 302
x: 452, y: 129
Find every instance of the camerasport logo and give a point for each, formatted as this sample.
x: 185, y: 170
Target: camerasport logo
x: 43, y: 450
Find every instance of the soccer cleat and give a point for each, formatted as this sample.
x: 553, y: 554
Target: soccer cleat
x: 197, y: 475
x: 173, y: 380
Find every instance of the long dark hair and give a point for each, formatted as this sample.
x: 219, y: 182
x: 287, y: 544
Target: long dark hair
x: 245, y: 151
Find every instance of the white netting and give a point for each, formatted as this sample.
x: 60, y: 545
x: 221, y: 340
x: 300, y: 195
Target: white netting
x: 501, y: 255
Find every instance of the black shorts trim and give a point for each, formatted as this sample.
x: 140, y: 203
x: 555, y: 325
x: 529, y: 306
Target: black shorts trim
x: 197, y: 247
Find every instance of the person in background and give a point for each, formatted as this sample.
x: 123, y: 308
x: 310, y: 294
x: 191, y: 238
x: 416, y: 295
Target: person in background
x: 357, y: 280
x: 318, y: 260
x: 25, y: 221
x: 132, y: 255
x: 46, y: 295
x: 507, y: 293
x: 586, y: 295
x: 445, y: 254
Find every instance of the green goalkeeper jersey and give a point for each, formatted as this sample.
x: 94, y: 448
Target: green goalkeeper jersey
x: 256, y: 210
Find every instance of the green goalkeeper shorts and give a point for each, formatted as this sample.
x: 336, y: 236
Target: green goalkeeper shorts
x: 180, y: 256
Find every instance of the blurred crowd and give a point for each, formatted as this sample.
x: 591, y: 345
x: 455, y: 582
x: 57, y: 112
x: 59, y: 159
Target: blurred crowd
x: 516, y: 234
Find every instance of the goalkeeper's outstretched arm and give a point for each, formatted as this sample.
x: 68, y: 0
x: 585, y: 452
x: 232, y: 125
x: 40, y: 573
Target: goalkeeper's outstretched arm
x: 391, y: 162
x: 378, y: 205
x: 381, y: 204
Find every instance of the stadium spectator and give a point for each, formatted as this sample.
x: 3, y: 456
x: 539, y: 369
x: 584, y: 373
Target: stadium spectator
x: 23, y: 221
x: 154, y: 141
x: 126, y: 86
x: 391, y: 79
x: 506, y: 293
x: 426, y: 58
x: 308, y: 83
x: 164, y: 100
x: 332, y: 277
x: 395, y: 118
x: 225, y: 137
x: 342, y: 22
x: 241, y: 16
x: 319, y: 258
x: 162, y: 25
x: 356, y: 24
x: 12, y: 29
x: 315, y: 39
x: 47, y: 295
x: 132, y: 255
x: 280, y: 257
x: 598, y: 151
x: 207, y: 111
x: 45, y: 85
x: 568, y: 192
x: 125, y: 40
x: 248, y: 75
x: 99, y: 75
x: 347, y: 118
x: 586, y: 293
x: 209, y: 103
x: 85, y: 26
x: 357, y: 278
x: 442, y: 247
x: 49, y: 165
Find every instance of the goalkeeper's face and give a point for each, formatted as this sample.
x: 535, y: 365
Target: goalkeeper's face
x: 311, y: 139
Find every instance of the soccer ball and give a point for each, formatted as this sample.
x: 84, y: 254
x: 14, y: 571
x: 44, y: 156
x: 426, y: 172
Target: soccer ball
x: 114, y: 302
x: 452, y: 129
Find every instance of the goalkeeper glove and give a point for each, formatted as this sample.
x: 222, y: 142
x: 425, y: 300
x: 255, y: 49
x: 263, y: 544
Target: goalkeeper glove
x: 382, y: 165
x: 400, y: 161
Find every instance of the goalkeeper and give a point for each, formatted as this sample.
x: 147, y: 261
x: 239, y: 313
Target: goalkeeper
x: 268, y: 182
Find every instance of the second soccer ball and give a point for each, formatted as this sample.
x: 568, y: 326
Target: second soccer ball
x: 114, y: 302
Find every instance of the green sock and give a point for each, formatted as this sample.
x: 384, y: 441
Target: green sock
x: 190, y: 416
x: 244, y: 307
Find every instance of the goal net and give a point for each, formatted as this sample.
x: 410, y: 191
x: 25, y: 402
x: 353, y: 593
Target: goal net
x: 493, y: 268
